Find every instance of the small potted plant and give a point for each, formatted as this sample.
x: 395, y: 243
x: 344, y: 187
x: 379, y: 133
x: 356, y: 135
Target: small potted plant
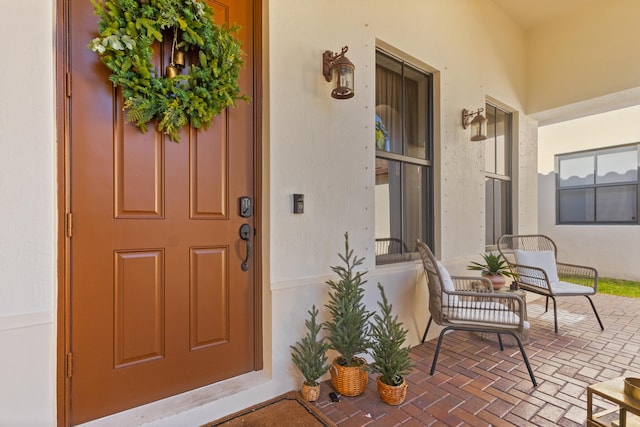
x: 348, y: 325
x: 390, y: 359
x: 308, y: 355
x: 494, y: 268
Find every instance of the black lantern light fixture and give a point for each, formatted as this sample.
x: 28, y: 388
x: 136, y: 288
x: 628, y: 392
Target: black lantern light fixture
x: 478, y: 124
x: 337, y: 68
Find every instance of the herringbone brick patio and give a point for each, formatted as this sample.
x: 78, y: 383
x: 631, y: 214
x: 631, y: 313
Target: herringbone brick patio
x: 476, y: 384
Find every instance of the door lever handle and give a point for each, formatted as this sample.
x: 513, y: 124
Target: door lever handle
x: 245, y: 234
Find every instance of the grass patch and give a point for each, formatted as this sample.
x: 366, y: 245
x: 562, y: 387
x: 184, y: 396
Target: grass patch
x: 623, y: 288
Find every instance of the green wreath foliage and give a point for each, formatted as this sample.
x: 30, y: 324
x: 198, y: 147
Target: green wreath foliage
x: 127, y: 31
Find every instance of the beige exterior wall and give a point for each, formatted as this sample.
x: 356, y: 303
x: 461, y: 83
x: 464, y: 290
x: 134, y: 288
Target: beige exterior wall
x: 612, y: 249
x: 27, y: 233
x: 310, y: 130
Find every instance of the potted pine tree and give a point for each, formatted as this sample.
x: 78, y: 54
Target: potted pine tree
x: 308, y: 355
x: 391, y: 358
x: 348, y: 325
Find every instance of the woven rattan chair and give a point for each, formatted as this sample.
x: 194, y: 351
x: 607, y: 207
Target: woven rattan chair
x: 471, y: 304
x: 533, y: 257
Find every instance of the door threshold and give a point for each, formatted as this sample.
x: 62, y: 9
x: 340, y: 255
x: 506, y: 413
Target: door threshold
x: 181, y: 405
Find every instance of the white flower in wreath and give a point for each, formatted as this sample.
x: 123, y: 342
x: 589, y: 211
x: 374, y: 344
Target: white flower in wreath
x: 199, y: 7
x: 114, y: 41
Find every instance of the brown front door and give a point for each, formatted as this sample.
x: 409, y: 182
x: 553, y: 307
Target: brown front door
x: 159, y: 303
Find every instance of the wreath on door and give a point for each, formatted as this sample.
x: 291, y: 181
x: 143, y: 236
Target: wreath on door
x: 182, y: 95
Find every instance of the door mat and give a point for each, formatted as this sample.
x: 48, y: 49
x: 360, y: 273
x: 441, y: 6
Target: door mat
x: 289, y: 409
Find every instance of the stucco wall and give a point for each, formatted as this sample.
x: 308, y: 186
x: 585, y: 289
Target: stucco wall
x: 27, y: 163
x: 323, y: 147
x: 27, y: 233
x: 314, y: 145
x: 612, y: 249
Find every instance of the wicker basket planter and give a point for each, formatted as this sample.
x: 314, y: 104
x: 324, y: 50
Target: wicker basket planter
x: 310, y: 393
x: 393, y: 395
x: 349, y: 380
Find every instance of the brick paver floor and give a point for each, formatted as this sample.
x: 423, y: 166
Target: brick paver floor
x: 476, y: 384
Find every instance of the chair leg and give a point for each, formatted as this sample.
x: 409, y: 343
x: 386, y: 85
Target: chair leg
x: 555, y: 315
x: 596, y: 313
x: 526, y: 359
x: 546, y: 305
x: 435, y: 356
x: 500, y: 342
x: 427, y: 329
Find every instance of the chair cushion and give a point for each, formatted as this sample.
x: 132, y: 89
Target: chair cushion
x: 545, y: 260
x: 447, y: 285
x: 566, y: 288
x: 488, y: 313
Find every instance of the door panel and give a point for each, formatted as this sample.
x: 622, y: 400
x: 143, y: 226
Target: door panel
x: 209, y: 175
x: 139, y: 187
x: 138, y: 307
x: 208, y: 296
x: 159, y: 302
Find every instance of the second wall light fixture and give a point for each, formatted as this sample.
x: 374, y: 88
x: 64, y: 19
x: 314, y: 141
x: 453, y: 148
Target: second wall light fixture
x: 337, y: 68
x: 478, y: 124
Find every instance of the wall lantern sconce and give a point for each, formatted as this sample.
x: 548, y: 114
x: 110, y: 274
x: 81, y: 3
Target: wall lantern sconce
x: 337, y: 68
x: 478, y: 124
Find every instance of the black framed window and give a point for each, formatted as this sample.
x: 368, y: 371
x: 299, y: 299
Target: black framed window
x: 497, y: 160
x: 404, y: 150
x: 598, y: 186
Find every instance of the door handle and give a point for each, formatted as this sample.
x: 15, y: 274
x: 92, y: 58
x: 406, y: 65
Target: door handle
x: 245, y: 234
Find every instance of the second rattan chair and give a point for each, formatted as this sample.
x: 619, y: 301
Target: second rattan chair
x: 533, y: 258
x: 471, y: 304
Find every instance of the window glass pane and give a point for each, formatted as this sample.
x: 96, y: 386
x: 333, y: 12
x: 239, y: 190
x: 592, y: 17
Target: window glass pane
x: 490, y: 142
x: 388, y: 200
x: 498, y: 217
x: 616, y: 204
x: 503, y: 208
x: 502, y: 147
x: 414, y: 204
x: 576, y: 205
x: 617, y: 166
x: 416, y: 107
x: 497, y: 146
x: 489, y: 214
x: 576, y: 171
x: 389, y: 100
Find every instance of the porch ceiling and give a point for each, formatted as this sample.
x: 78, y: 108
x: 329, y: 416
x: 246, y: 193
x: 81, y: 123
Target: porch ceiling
x: 529, y: 13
